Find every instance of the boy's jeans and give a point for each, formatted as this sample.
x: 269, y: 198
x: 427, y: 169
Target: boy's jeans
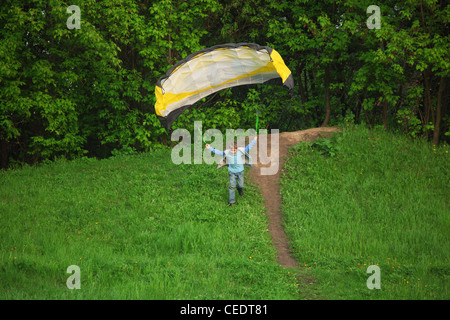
x: 235, y: 178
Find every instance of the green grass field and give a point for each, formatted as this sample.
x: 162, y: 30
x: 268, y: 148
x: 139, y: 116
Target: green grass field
x: 367, y: 197
x: 140, y: 227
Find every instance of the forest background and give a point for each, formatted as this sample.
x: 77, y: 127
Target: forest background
x: 89, y: 92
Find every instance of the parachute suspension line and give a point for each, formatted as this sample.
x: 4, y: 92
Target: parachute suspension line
x: 257, y: 118
x: 257, y: 108
x: 203, y: 138
x: 201, y: 133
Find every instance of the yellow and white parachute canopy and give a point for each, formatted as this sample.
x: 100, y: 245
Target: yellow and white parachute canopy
x: 213, y: 69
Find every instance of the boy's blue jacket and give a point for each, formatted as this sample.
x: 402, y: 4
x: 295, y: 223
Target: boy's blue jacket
x: 237, y: 161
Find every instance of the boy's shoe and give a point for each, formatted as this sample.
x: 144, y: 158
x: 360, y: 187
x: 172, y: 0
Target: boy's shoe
x: 231, y: 204
x: 241, y: 192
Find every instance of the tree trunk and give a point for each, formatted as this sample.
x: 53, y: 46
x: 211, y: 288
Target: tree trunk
x: 305, y: 88
x: 327, y: 97
x: 358, y: 111
x: 301, y: 87
x: 306, y: 85
x: 385, y: 105
x: 303, y: 95
x: 5, y: 154
x: 311, y: 81
x: 427, y: 99
x: 437, y: 122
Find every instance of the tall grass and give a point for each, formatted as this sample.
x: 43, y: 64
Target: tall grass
x: 139, y: 227
x: 382, y: 200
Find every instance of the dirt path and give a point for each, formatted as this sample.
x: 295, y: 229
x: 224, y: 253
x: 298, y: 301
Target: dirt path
x: 270, y: 187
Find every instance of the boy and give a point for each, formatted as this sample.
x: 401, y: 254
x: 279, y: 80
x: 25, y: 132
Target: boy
x: 235, y: 159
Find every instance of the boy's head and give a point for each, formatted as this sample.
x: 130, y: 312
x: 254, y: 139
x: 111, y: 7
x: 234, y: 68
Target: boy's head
x: 233, y: 147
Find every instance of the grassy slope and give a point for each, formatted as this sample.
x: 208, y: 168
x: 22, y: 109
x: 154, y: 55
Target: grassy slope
x: 382, y: 200
x: 139, y: 227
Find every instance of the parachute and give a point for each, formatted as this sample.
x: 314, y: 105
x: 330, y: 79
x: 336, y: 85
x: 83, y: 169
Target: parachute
x: 212, y: 69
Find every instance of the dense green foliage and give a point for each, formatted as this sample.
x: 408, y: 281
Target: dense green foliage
x: 368, y: 197
x: 90, y: 91
x: 138, y: 227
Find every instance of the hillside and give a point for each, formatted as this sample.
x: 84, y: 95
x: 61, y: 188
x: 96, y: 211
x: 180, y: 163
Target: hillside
x: 141, y: 227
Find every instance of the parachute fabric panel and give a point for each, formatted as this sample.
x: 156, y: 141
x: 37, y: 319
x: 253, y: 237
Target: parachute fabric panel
x: 213, y: 69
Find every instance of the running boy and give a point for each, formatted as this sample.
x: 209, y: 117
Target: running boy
x: 235, y: 159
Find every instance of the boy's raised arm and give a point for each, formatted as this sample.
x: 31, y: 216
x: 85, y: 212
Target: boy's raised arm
x: 250, y: 145
x: 215, y: 151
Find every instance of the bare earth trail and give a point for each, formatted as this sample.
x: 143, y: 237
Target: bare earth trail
x: 270, y: 185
